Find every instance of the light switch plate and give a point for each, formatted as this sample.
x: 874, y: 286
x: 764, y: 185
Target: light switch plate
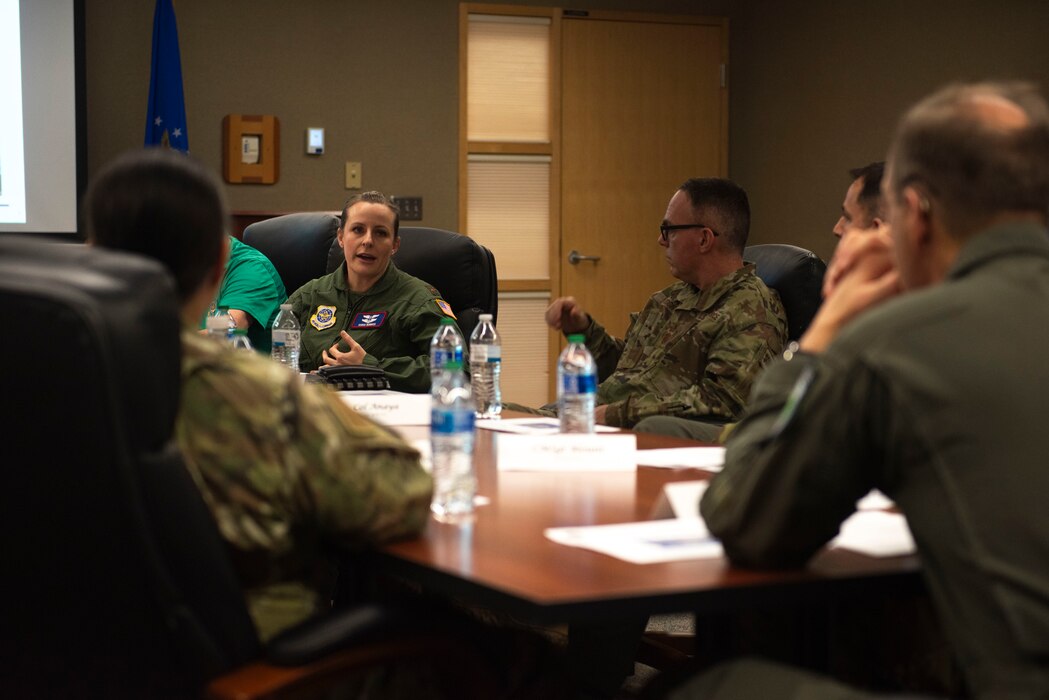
x: 353, y: 176
x: 314, y: 141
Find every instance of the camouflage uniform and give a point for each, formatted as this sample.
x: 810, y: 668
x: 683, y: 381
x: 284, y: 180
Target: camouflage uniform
x: 393, y: 321
x: 691, y: 353
x: 287, y: 469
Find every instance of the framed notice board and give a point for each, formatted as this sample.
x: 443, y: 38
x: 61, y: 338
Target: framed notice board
x: 251, y: 149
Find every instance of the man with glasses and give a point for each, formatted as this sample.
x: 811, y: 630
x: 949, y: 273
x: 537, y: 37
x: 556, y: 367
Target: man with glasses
x: 695, y: 348
x: 922, y: 375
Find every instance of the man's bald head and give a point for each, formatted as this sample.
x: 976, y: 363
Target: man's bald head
x: 975, y: 152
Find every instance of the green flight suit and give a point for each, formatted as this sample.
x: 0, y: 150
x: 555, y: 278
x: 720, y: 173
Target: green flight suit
x: 394, y: 322
x: 287, y: 470
x: 691, y: 353
x: 940, y: 399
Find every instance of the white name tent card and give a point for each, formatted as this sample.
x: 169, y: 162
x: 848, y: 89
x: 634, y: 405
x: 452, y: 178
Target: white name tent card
x: 539, y: 425
x: 390, y: 407
x: 875, y: 500
x: 682, y: 499
x: 710, y: 458
x: 563, y: 452
x: 875, y: 533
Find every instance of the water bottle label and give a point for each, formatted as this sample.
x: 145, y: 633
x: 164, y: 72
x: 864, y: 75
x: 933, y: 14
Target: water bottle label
x: 445, y: 422
x: 485, y: 353
x: 579, y: 383
x: 442, y: 356
x: 284, y: 337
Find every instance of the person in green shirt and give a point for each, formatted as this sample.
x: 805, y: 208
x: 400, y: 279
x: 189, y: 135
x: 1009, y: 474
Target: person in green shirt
x: 251, y: 292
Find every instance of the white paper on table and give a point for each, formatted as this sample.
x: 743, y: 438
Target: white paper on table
x: 875, y: 533
x: 875, y: 500
x: 648, y: 542
x: 539, y: 425
x: 710, y: 458
x: 566, y: 452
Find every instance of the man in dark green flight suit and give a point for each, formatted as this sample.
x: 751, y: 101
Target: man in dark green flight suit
x: 937, y: 396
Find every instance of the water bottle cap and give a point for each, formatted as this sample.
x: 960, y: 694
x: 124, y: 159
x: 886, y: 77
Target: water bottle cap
x: 453, y: 365
x: 240, y: 331
x: 285, y: 307
x: 484, y: 317
x: 577, y: 338
x: 447, y: 321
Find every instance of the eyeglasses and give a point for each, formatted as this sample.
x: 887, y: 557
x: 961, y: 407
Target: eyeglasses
x: 665, y: 229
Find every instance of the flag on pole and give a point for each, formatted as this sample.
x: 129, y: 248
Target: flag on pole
x: 166, y: 112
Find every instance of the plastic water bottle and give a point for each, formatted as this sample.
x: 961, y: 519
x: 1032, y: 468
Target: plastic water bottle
x: 446, y: 346
x: 576, y: 387
x: 286, y: 337
x: 239, y: 339
x: 218, y: 324
x: 486, y: 359
x: 452, y: 441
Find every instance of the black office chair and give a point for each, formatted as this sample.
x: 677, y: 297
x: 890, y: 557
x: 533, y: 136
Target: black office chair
x: 116, y: 581
x: 303, y: 247
x: 797, y: 276
x: 462, y: 269
x: 298, y: 245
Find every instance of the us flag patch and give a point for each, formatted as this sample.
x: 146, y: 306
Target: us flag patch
x: 368, y: 319
x: 445, y: 307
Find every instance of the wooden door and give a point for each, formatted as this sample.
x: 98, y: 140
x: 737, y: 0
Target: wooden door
x: 643, y: 109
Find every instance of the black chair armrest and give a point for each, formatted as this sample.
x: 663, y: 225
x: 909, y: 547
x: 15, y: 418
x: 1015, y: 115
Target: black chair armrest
x: 341, y: 629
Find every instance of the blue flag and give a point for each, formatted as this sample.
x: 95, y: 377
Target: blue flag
x: 166, y: 112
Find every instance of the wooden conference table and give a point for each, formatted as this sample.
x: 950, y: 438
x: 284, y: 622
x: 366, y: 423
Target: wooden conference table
x: 502, y: 560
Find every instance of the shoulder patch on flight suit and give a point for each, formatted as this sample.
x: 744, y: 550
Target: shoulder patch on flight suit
x: 323, y: 317
x: 369, y: 319
x: 445, y: 307
x: 790, y: 407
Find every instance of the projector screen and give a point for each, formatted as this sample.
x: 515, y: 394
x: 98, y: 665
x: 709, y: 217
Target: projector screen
x: 39, y: 118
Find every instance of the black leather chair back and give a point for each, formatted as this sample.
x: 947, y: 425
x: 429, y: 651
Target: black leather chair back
x: 303, y: 247
x: 797, y: 276
x: 116, y: 583
x: 460, y: 268
x: 298, y: 245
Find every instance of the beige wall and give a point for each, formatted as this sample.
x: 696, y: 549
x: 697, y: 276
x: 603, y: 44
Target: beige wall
x: 816, y: 88
x: 380, y: 77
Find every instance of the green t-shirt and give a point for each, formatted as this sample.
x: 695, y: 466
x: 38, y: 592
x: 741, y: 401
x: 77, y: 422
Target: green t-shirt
x: 252, y: 285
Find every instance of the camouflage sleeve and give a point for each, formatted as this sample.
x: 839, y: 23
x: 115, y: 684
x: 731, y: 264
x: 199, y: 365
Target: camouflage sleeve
x: 276, y: 458
x: 733, y: 362
x: 797, y: 463
x: 605, y: 348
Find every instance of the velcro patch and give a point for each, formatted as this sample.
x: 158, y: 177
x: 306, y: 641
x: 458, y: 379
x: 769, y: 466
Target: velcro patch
x: 445, y: 307
x: 323, y: 317
x: 369, y: 319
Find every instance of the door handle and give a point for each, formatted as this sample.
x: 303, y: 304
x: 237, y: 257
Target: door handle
x: 575, y: 257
